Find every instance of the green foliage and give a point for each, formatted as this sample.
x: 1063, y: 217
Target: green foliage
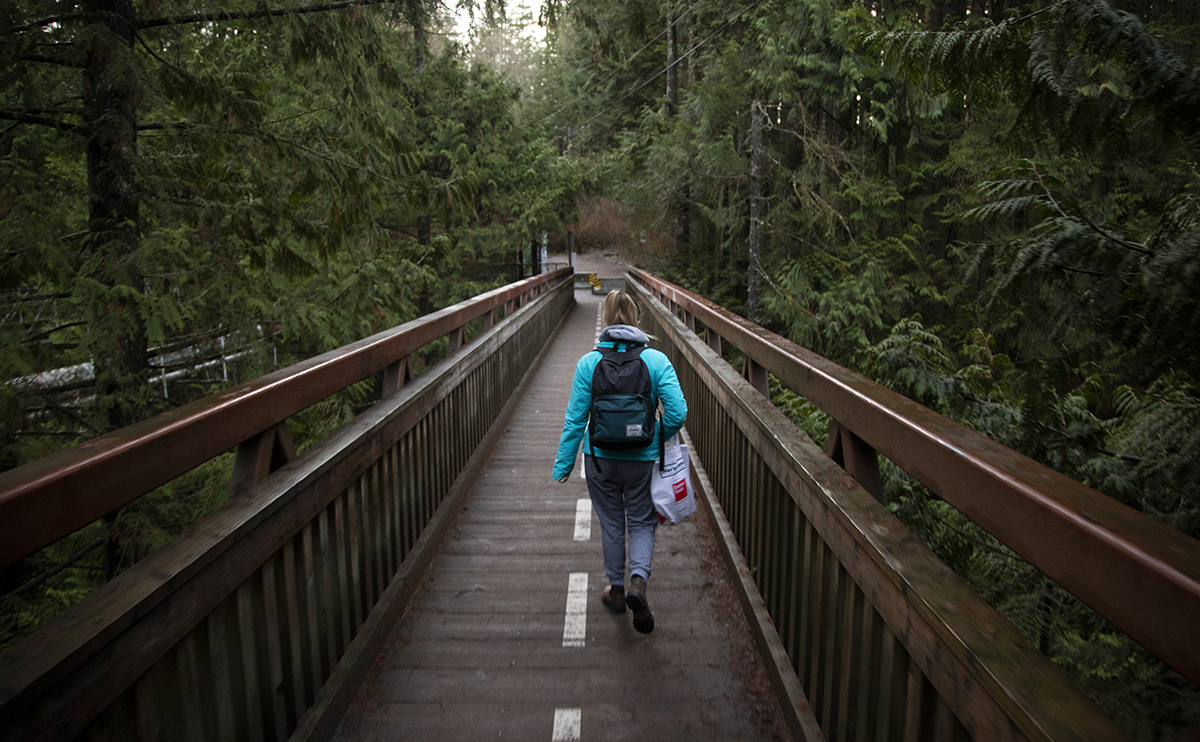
x: 1155, y: 466
x: 807, y: 416
x: 63, y: 574
x: 299, y: 182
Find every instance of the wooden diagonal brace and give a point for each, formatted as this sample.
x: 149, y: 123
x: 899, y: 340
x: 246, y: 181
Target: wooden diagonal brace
x: 397, y: 375
x: 855, y: 456
x: 457, y: 338
x: 258, y: 457
x: 757, y: 376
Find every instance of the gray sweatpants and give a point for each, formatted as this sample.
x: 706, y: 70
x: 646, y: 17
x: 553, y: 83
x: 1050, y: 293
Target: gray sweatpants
x: 620, y: 493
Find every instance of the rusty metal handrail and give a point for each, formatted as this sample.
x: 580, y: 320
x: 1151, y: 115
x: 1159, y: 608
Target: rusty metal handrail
x: 1137, y: 572
x: 47, y: 499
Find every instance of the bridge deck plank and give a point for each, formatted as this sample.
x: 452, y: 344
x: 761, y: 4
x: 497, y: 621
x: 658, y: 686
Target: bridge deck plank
x: 479, y: 653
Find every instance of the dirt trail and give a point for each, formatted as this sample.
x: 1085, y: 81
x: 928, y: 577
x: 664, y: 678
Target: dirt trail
x: 605, y: 264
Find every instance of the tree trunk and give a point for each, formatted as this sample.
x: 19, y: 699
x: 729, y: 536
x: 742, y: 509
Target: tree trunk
x: 756, y: 127
x: 117, y: 332
x: 683, y: 220
x: 419, y: 42
x: 691, y: 44
x: 672, y: 79
x: 681, y: 195
x: 115, y: 328
x: 424, y: 222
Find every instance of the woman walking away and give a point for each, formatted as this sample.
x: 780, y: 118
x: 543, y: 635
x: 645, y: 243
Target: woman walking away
x: 617, y: 388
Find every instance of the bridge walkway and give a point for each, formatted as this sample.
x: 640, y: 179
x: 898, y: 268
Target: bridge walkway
x: 486, y: 650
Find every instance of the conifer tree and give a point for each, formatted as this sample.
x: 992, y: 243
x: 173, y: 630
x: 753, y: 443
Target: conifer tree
x: 128, y: 87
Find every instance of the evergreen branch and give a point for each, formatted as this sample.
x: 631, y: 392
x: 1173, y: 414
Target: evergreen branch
x: 185, y: 341
x: 1121, y: 241
x: 48, y: 21
x: 334, y: 161
x: 30, y: 42
x: 70, y: 561
x: 49, y: 60
x: 789, y: 296
x: 47, y: 333
x: 56, y: 108
x: 979, y: 542
x: 327, y: 158
x: 155, y: 55
x: 178, y: 126
x: 25, y: 118
x: 184, y: 126
x: 37, y: 297
x: 51, y: 405
x: 1065, y: 436
x: 1026, y: 17
x: 836, y: 120
x: 1083, y: 271
x: 840, y: 263
x: 181, y: 20
x: 302, y: 114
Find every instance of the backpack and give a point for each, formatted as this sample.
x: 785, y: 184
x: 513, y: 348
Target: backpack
x: 621, y: 417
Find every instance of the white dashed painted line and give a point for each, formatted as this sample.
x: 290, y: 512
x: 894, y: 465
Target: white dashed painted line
x: 567, y: 725
x: 575, y: 626
x: 583, y: 519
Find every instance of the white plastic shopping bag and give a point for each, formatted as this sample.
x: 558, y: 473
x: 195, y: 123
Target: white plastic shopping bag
x: 671, y: 486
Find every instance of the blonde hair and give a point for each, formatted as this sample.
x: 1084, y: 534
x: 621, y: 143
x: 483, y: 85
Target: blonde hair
x: 620, y: 309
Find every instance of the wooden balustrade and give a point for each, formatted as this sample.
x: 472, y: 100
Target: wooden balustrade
x: 46, y: 499
x: 886, y: 642
x: 259, y: 623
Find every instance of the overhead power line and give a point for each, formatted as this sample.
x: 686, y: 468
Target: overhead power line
x: 624, y: 64
x: 677, y: 61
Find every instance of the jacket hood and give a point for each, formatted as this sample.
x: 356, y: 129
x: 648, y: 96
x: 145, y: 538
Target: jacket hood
x: 623, y: 333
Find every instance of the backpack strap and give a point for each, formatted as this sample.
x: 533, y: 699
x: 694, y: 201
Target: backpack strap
x: 662, y: 446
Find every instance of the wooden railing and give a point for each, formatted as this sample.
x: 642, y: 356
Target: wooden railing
x: 258, y: 623
x: 875, y: 637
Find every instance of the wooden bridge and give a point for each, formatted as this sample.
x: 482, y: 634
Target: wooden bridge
x: 417, y: 575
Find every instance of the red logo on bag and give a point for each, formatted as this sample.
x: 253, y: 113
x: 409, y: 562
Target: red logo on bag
x: 680, y: 489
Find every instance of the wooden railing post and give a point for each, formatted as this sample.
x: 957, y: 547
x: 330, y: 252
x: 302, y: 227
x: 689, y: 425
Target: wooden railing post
x: 258, y: 457
x: 856, y: 456
x: 397, y: 375
x: 757, y: 376
x: 713, y: 340
x: 456, y: 339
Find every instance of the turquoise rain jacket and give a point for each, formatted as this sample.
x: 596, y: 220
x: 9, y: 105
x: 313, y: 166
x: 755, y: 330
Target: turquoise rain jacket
x: 664, y: 387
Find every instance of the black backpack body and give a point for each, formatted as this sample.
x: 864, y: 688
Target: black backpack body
x: 622, y: 409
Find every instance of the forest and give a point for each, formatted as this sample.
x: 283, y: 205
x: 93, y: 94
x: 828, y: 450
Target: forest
x: 987, y: 205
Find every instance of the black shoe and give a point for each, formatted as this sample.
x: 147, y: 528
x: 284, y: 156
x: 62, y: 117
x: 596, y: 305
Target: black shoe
x: 643, y: 619
x: 613, y: 598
